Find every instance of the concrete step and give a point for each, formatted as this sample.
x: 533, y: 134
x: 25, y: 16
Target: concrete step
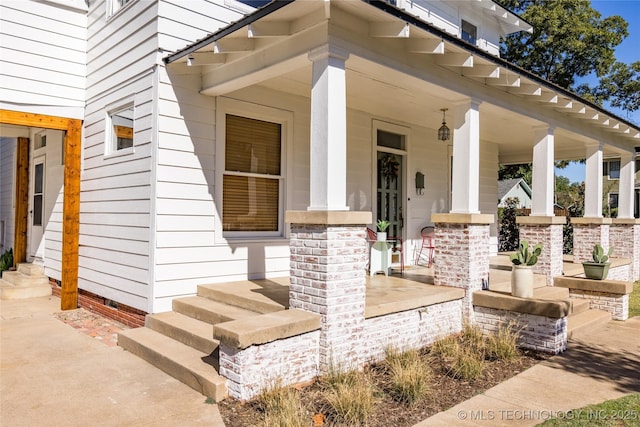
x: 30, y: 269
x: 582, y: 323
x: 11, y: 291
x: 196, y: 369
x: 551, y: 293
x: 262, y: 296
x: 209, y: 311
x: 184, y: 329
x: 579, y: 305
x: 19, y: 279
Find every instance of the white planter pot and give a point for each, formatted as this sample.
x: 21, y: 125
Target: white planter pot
x: 381, y: 236
x: 522, y: 281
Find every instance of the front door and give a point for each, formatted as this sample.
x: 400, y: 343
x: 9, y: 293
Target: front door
x: 389, y: 200
x: 36, y: 242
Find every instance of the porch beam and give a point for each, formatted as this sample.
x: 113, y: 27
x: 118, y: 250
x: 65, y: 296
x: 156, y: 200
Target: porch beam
x: 389, y: 29
x: 328, y: 151
x: 465, y: 193
x: 269, y: 29
x: 593, y: 182
x: 526, y: 89
x: 543, y: 172
x: 626, y: 186
x: 486, y: 71
x: 505, y: 80
x: 455, y: 60
x: 430, y: 46
x: 33, y: 120
x: 233, y: 45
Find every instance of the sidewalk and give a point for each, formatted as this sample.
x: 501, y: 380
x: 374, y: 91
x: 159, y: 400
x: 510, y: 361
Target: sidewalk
x: 58, y: 374
x: 599, y: 365
x: 55, y: 374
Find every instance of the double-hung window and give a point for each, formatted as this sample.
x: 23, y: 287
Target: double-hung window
x: 119, y: 132
x: 252, y: 187
x: 468, y: 32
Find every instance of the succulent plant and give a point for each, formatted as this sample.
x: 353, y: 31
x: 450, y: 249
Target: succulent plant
x: 599, y: 255
x: 383, y: 225
x: 525, y: 257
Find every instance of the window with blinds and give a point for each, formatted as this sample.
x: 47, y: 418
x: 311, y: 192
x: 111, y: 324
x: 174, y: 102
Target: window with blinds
x: 252, y: 179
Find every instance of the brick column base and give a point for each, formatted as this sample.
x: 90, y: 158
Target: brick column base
x: 462, y: 251
x: 624, y: 236
x: 328, y: 277
x: 586, y: 233
x: 548, y: 231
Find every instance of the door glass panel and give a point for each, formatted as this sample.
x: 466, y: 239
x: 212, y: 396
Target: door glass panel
x: 38, y: 186
x: 389, y: 200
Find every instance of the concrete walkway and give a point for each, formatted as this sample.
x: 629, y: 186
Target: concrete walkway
x: 54, y: 375
x: 599, y: 365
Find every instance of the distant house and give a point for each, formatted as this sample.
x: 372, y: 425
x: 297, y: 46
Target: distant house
x: 611, y: 185
x: 514, y: 188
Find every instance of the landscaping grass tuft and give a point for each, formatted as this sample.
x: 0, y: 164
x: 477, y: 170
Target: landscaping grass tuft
x: 409, y: 376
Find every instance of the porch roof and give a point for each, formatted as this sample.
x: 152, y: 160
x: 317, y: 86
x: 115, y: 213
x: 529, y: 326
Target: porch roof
x: 435, y: 69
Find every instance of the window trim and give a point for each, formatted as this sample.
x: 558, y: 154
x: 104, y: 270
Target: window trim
x: 462, y: 21
x: 113, y: 8
x: 110, y: 143
x: 258, y: 112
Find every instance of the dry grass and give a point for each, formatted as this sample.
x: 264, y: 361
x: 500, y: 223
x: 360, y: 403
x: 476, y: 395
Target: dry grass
x: 409, y: 376
x: 350, y: 397
x: 503, y: 345
x: 281, y: 406
x: 446, y: 347
x: 467, y: 364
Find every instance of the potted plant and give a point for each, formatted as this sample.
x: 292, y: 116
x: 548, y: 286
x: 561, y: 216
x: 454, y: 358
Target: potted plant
x: 522, y: 272
x: 382, y: 230
x: 599, y: 268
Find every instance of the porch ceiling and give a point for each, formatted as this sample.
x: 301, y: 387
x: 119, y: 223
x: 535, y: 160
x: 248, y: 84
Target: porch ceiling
x: 403, y: 70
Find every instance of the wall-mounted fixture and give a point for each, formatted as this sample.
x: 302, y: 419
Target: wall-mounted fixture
x: 419, y: 183
x: 444, y: 133
x: 190, y: 60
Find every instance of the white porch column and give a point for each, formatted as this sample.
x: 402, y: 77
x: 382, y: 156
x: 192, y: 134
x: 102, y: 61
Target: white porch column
x: 593, y: 182
x: 625, y: 195
x: 328, y: 188
x: 465, y: 192
x: 543, y: 187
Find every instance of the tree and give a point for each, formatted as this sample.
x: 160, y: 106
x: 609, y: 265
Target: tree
x: 621, y: 87
x: 570, y: 39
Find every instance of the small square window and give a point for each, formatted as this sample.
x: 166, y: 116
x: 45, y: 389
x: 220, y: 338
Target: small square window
x: 469, y: 32
x: 40, y: 140
x: 120, y: 130
x: 614, y: 169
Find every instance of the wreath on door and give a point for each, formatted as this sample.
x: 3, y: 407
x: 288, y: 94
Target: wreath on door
x: 390, y: 166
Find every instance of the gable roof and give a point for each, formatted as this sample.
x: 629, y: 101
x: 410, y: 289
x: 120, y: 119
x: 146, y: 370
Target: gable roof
x: 506, y: 185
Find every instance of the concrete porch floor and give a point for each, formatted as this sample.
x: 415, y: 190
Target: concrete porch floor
x: 393, y: 293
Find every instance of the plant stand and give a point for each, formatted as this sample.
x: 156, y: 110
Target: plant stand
x: 380, y: 258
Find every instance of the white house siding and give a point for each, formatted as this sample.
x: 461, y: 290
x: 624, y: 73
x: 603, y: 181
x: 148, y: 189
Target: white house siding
x: 7, y: 192
x: 116, y: 189
x: 524, y: 199
x: 43, y: 51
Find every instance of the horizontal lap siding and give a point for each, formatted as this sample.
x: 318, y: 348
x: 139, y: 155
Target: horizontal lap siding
x: 43, y: 51
x: 116, y: 190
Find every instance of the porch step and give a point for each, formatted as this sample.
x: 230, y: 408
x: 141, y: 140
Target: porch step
x: 579, y: 305
x: 582, y: 323
x: 196, y: 369
x: 28, y: 281
x: 262, y: 296
x: 210, y: 311
x: 184, y: 329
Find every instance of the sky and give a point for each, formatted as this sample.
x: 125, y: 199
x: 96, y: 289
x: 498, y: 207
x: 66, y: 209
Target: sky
x: 628, y: 51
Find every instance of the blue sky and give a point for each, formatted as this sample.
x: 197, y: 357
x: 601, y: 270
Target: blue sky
x: 628, y: 51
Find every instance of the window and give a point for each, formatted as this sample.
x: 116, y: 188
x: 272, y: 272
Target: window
x: 252, y: 183
x: 614, y: 169
x: 120, y: 130
x: 38, y: 193
x: 40, y: 140
x: 468, y: 32
x: 613, y: 202
x: 113, y: 6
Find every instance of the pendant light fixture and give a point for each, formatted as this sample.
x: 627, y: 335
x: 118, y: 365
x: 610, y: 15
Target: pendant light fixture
x: 444, y: 133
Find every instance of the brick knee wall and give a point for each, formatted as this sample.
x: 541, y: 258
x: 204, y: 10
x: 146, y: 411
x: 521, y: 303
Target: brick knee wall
x: 538, y: 333
x: 625, y: 238
x: 617, y: 305
x: 122, y: 313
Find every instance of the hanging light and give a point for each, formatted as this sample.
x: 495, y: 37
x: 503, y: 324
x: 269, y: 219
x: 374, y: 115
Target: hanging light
x: 444, y: 133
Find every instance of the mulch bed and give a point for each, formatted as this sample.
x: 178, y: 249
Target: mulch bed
x: 446, y: 392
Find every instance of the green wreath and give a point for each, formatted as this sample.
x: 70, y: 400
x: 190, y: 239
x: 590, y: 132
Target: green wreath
x: 390, y: 166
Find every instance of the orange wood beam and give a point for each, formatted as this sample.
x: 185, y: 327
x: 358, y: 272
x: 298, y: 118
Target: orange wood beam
x: 33, y: 120
x: 22, y: 202
x: 71, y: 216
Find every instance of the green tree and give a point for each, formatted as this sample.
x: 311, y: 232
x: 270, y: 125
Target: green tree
x: 621, y: 87
x: 570, y: 39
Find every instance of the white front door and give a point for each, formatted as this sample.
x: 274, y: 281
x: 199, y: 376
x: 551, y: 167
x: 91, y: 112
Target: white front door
x: 36, y: 241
